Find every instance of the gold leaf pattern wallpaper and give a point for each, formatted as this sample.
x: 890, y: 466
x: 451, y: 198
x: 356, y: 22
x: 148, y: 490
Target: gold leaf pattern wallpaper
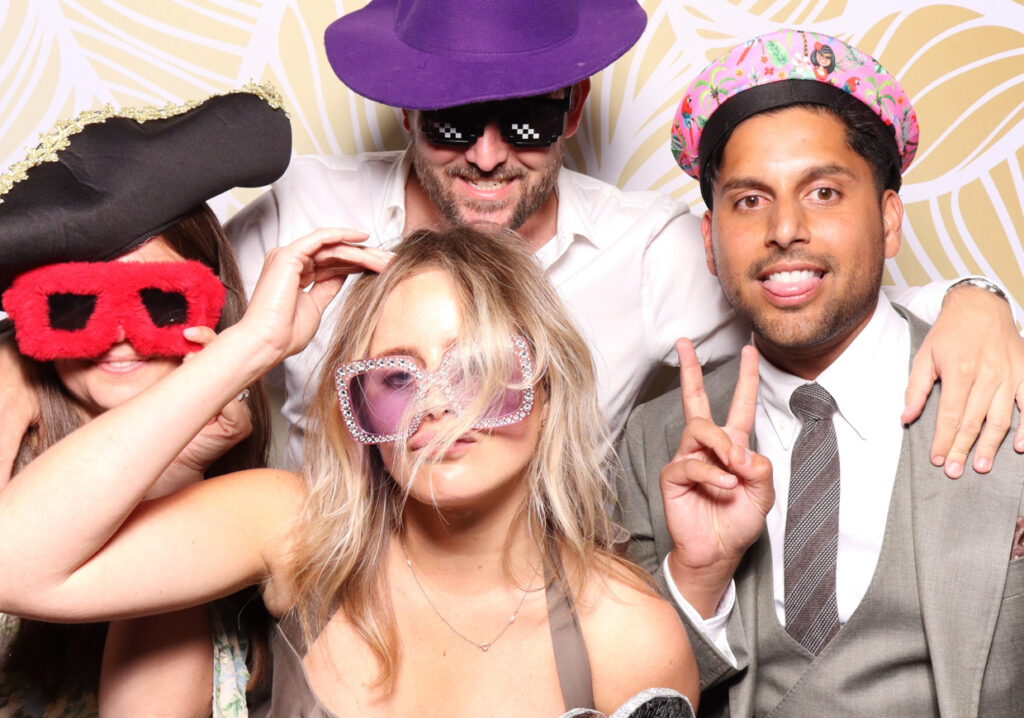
x: 961, y: 62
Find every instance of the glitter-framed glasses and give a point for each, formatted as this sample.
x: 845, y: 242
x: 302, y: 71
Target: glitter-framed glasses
x: 376, y: 395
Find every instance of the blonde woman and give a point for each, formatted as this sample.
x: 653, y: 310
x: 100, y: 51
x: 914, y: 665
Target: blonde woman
x: 447, y: 551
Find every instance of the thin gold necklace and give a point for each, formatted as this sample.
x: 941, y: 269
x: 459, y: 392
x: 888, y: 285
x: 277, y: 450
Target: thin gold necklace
x: 482, y: 646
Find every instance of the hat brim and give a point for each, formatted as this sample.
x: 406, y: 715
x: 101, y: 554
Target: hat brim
x: 370, y: 59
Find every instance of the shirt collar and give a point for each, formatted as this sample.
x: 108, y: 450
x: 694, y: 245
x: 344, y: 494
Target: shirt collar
x: 572, y: 223
x: 389, y: 202
x: 861, y: 379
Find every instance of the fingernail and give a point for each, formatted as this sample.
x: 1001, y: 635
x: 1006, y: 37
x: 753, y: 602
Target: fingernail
x: 746, y: 455
x: 982, y: 465
x: 954, y: 469
x: 191, y: 332
x: 938, y: 460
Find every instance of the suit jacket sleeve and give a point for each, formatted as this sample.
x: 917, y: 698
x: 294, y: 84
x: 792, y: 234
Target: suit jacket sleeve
x: 643, y: 450
x: 633, y: 508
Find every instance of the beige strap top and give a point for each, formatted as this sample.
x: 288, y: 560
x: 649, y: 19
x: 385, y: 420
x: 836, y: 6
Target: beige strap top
x: 291, y: 695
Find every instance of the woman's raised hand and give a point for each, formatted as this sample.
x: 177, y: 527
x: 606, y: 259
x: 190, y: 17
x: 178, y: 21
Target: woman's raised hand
x: 299, y: 281
x: 231, y: 425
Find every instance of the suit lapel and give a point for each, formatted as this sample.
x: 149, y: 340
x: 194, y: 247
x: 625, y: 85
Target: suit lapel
x: 962, y: 533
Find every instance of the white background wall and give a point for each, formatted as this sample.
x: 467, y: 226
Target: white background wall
x: 962, y: 62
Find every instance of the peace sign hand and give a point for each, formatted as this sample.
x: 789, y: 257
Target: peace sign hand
x: 715, y: 490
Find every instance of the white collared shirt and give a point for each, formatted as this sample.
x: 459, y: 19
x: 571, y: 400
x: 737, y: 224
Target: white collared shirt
x: 867, y: 382
x: 630, y: 267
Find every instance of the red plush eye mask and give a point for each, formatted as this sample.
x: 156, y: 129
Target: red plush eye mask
x: 74, y: 310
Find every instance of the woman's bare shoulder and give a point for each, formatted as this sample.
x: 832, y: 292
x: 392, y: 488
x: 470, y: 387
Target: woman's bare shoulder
x: 634, y: 637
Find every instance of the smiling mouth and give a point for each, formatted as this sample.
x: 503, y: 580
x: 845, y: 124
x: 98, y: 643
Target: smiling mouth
x: 487, y: 185
x: 792, y: 277
x: 118, y: 359
x: 792, y: 284
x: 120, y: 365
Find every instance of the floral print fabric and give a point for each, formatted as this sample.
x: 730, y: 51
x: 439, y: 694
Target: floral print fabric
x: 792, y: 55
x: 230, y: 677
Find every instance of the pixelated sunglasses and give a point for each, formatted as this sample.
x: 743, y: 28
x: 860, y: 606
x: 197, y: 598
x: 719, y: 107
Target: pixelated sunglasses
x: 77, y: 310
x: 524, y: 122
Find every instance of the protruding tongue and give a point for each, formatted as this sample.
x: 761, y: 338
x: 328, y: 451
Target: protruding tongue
x: 791, y: 284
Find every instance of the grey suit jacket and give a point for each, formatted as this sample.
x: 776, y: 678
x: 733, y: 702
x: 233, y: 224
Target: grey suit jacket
x: 972, y: 597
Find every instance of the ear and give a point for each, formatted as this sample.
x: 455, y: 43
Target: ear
x: 892, y: 222
x: 709, y: 252
x: 579, y: 94
x: 406, y: 122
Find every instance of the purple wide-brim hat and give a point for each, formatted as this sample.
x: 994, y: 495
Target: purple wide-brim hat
x: 782, y: 68
x: 430, y: 54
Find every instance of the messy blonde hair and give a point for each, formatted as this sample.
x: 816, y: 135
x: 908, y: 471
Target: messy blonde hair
x: 354, y: 506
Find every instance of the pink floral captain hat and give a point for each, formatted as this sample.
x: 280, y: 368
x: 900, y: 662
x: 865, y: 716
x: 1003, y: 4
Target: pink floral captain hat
x: 783, y: 68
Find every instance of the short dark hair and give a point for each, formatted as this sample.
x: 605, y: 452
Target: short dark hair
x: 866, y: 135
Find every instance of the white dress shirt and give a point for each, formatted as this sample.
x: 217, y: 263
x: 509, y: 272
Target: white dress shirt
x: 629, y: 265
x: 867, y: 381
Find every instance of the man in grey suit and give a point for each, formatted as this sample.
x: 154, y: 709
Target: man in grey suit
x: 836, y: 571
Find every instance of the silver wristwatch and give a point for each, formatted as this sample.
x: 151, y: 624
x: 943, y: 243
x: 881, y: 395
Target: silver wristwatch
x: 981, y: 283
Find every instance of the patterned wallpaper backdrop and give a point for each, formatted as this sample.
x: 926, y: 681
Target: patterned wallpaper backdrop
x: 961, y: 61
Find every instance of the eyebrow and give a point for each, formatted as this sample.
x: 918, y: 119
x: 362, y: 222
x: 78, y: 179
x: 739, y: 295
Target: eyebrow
x: 811, y: 173
x: 410, y: 352
x: 400, y: 352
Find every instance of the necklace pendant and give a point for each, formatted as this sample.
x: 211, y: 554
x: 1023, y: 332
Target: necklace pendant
x: 485, y: 647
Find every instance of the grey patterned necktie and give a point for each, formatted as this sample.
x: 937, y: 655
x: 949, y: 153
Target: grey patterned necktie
x: 812, y: 522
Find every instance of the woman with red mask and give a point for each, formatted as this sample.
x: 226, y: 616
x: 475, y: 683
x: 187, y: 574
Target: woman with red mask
x: 108, y: 251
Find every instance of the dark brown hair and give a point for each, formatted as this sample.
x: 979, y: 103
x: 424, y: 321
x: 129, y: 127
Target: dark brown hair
x: 866, y: 135
x: 61, y: 659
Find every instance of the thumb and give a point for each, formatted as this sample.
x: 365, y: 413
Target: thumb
x: 755, y: 472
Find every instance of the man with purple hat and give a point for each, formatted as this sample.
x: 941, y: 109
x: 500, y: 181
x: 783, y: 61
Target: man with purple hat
x: 832, y: 573
x: 489, y: 93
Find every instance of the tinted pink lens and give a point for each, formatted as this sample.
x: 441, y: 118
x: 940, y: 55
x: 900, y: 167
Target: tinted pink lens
x: 467, y: 388
x: 380, y: 398
x: 508, y: 405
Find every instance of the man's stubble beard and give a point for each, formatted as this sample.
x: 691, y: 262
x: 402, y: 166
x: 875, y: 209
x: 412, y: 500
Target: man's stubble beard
x: 444, y: 199
x: 837, y: 316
